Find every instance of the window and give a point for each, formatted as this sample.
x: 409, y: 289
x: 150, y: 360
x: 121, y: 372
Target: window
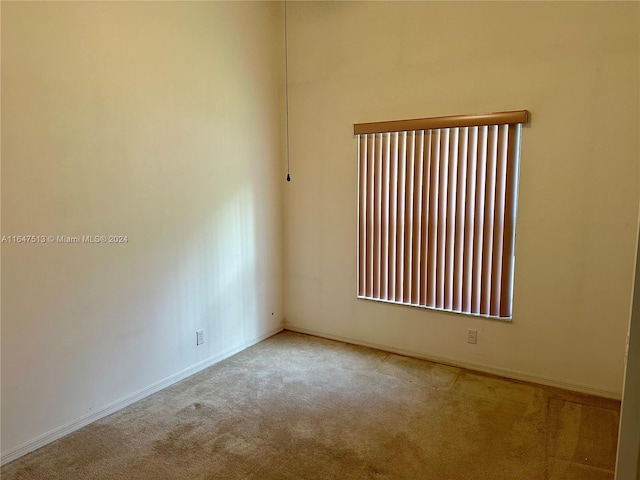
x: 436, y: 211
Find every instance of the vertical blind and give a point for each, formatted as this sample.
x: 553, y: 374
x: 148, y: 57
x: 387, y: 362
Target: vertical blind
x: 436, y: 208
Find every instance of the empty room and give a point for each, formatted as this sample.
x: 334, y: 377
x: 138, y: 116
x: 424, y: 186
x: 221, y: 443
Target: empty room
x: 320, y: 240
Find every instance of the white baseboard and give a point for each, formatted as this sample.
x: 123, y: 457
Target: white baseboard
x: 113, y: 407
x: 514, y: 374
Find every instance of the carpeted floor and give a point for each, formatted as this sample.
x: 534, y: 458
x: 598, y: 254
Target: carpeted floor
x: 301, y: 407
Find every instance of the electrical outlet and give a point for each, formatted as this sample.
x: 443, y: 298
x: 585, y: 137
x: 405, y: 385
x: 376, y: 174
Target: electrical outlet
x: 472, y: 336
x: 199, y: 337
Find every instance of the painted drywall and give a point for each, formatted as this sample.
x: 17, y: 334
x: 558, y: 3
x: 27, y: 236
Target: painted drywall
x: 161, y: 122
x: 628, y: 461
x: 575, y: 67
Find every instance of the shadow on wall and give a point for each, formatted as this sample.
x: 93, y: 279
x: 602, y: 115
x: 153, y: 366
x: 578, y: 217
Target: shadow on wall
x: 217, y: 284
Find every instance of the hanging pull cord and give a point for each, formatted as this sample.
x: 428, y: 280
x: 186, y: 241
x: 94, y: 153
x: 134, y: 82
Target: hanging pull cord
x: 286, y: 88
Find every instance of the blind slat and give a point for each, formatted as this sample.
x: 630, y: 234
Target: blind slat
x: 400, y: 228
x: 478, y: 234
x: 424, y: 238
x: 370, y: 212
x: 469, y: 228
x: 459, y: 253
x: 433, y: 219
x: 490, y: 192
x: 408, y: 202
x: 442, y: 217
x: 362, y: 232
x: 393, y: 200
x: 508, y: 253
x: 498, y: 223
x: 417, y: 217
x: 384, y: 231
x: 451, y: 217
x: 377, y: 212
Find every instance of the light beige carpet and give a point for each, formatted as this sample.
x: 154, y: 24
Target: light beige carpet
x: 300, y: 407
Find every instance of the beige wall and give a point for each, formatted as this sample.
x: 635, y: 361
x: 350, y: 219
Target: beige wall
x: 575, y: 67
x: 160, y: 121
